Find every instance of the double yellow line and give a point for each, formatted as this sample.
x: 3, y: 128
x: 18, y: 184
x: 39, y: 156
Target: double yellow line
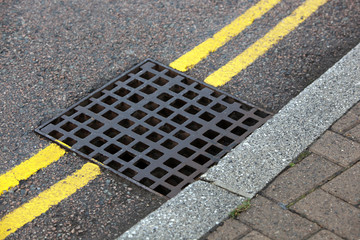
x: 260, y: 47
x: 45, y: 200
x: 29, y: 167
x: 63, y: 189
x: 193, y: 57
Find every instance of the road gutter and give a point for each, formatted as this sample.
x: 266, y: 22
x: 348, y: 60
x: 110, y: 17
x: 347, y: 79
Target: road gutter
x: 258, y: 159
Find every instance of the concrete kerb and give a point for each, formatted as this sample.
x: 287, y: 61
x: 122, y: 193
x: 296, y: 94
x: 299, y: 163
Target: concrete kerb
x: 257, y: 160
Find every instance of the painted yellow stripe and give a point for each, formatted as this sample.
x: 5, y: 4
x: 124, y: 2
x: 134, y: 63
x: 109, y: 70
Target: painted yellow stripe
x: 46, y: 199
x: 42, y: 159
x: 260, y: 47
x: 190, y: 59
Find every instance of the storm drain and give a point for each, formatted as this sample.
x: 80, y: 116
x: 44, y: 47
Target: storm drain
x: 155, y: 126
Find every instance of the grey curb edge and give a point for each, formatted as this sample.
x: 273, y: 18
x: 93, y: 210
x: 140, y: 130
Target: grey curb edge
x: 257, y: 160
x: 264, y: 154
x: 189, y: 215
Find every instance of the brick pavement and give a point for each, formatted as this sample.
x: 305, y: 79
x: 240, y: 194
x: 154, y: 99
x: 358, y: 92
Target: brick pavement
x: 317, y: 197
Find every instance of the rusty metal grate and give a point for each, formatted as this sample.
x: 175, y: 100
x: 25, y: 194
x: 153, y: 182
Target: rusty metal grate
x: 155, y: 126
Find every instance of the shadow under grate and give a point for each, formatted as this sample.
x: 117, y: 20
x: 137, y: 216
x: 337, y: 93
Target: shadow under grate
x: 155, y: 126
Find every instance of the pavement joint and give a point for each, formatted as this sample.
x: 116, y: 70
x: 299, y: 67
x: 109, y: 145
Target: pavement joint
x: 231, y: 189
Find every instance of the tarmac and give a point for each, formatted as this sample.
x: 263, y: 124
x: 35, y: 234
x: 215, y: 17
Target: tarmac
x: 314, y: 197
x: 54, y: 53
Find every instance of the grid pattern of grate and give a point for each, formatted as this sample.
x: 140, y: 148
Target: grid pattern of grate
x: 155, y: 126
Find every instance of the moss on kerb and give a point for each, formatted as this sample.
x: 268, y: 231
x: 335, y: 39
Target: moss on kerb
x: 300, y: 157
x: 241, y: 208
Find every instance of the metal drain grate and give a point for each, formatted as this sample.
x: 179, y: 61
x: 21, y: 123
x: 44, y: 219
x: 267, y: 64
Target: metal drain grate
x: 155, y: 126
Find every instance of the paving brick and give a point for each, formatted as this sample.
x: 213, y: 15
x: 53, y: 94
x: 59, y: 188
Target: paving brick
x: 347, y: 185
x: 356, y: 109
x: 337, y: 148
x: 254, y: 235
x: 231, y: 229
x: 325, y: 235
x: 270, y: 219
x: 331, y: 213
x: 301, y: 178
x: 354, y: 133
x: 348, y: 121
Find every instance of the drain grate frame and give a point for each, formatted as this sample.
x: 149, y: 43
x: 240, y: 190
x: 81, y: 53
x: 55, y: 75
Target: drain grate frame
x: 155, y: 126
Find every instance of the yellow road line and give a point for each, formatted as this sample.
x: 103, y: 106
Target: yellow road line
x: 260, y: 47
x: 191, y: 58
x: 42, y: 159
x: 46, y: 199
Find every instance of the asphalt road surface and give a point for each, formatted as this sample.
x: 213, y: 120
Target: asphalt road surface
x: 54, y: 53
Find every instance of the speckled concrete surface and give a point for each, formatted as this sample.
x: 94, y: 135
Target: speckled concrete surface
x: 187, y: 216
x: 258, y: 159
